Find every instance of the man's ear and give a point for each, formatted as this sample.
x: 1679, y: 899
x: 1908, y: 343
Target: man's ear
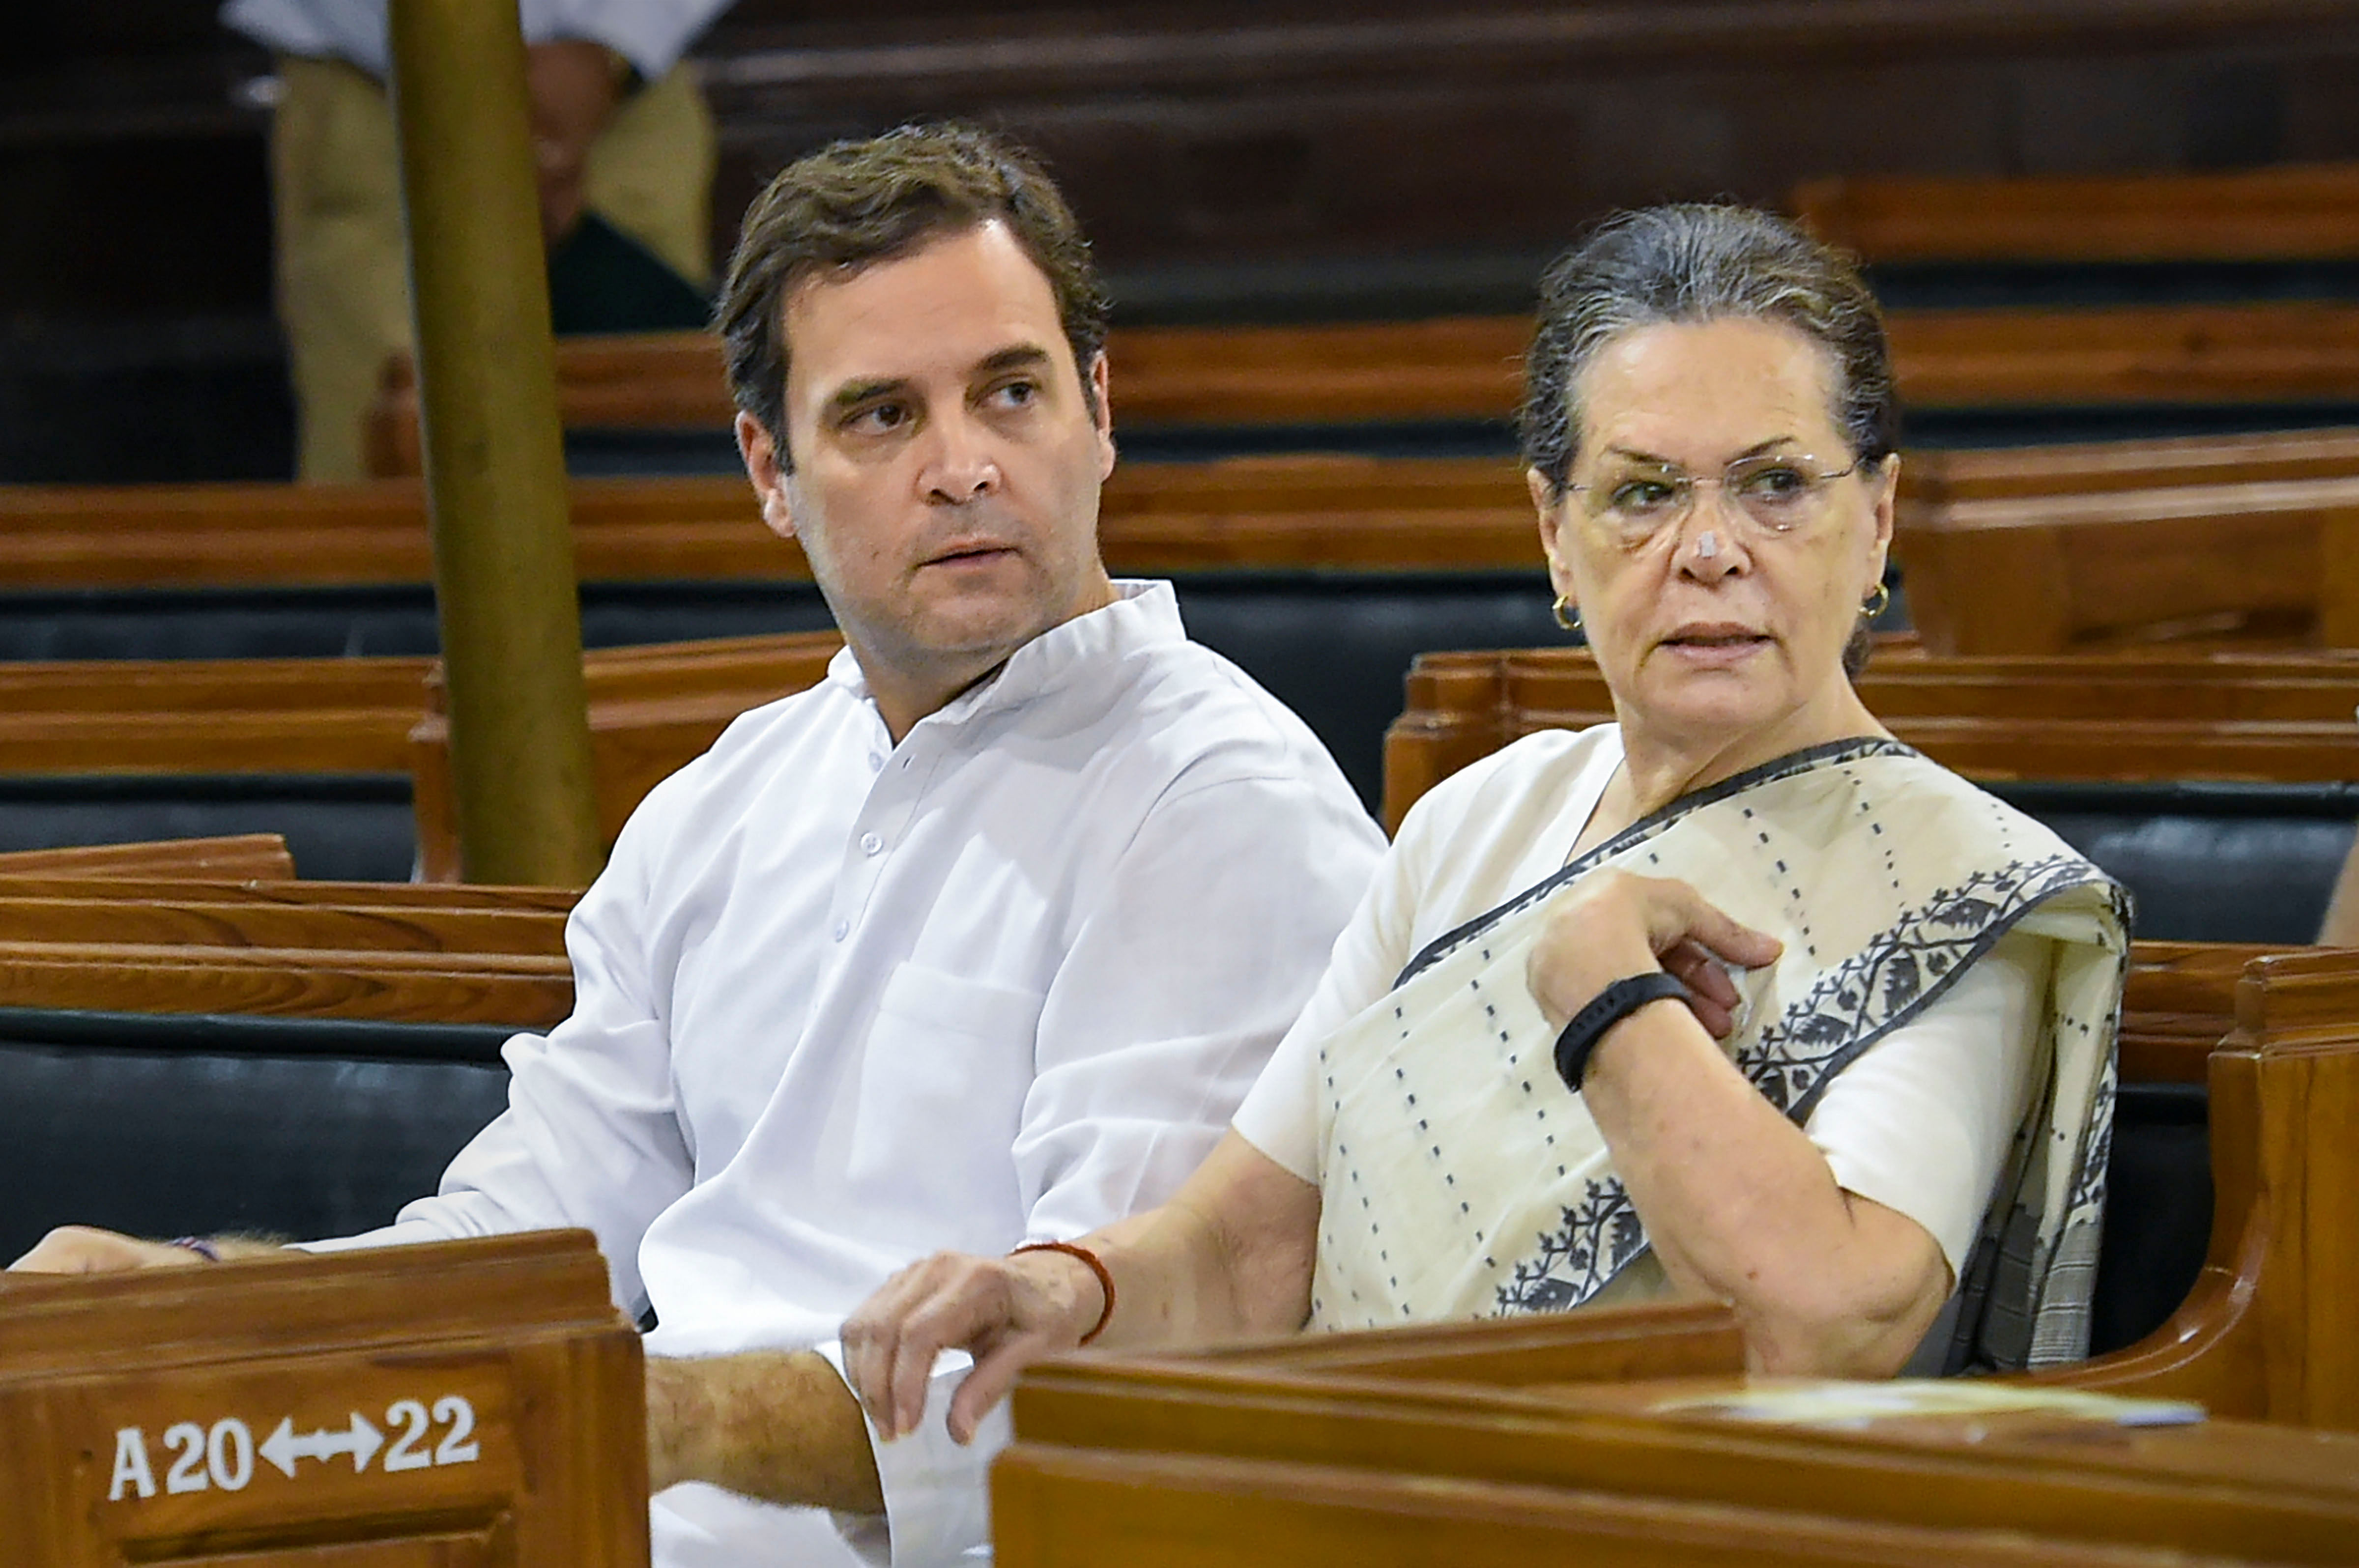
x: 760, y: 453
x: 1551, y: 507
x: 1098, y: 380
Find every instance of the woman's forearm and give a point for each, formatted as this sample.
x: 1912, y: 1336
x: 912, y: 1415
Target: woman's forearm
x: 1741, y: 1206
x: 1229, y: 1255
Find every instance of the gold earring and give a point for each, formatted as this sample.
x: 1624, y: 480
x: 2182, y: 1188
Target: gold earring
x: 1876, y: 602
x: 1570, y: 622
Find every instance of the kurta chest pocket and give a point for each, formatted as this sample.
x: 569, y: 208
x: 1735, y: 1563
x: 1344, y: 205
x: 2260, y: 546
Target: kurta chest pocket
x: 942, y: 1083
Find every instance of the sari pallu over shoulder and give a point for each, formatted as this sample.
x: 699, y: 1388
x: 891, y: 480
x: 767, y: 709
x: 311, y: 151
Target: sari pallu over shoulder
x: 1460, y: 1178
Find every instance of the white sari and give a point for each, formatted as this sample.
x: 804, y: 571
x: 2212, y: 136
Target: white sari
x: 1461, y: 1178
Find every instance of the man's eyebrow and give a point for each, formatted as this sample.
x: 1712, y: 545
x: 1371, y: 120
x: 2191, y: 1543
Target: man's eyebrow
x: 1022, y: 356
x: 853, y: 394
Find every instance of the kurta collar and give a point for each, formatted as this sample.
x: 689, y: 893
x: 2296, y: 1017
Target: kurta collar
x: 1144, y: 615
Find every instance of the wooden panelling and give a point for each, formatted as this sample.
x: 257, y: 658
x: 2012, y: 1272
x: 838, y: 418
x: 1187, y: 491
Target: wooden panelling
x: 271, y: 1361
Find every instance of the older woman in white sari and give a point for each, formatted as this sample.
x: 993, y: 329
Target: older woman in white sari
x: 1735, y: 998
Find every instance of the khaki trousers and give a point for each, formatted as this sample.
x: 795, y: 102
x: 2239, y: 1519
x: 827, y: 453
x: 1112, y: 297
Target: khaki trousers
x: 342, y: 283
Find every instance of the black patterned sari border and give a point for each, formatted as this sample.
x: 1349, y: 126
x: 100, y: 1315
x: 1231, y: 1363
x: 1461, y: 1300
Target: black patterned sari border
x: 1827, y: 754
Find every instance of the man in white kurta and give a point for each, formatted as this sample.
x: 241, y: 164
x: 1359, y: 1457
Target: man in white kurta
x: 980, y: 940
x: 841, y: 1004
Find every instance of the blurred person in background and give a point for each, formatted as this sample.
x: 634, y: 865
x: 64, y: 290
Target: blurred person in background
x: 626, y: 153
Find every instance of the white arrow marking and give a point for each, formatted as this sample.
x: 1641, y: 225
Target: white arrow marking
x: 282, y: 1448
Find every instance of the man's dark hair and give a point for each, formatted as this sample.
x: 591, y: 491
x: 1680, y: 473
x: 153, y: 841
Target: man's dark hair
x: 851, y: 204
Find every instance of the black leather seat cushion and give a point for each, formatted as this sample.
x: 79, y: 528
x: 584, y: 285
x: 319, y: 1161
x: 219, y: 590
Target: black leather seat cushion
x: 170, y: 1126
x: 2157, y: 1212
x: 340, y: 827
x: 2208, y: 862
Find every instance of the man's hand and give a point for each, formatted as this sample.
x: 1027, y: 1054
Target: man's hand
x: 573, y: 85
x: 1614, y: 924
x: 85, y: 1249
x: 1009, y: 1312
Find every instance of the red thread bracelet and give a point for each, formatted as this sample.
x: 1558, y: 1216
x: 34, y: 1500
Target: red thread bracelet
x: 1096, y: 1266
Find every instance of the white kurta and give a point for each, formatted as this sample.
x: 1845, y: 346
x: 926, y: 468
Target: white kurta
x: 1921, y: 1123
x: 840, y: 1004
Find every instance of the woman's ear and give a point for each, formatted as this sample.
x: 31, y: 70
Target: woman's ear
x: 1550, y: 503
x: 1884, y: 488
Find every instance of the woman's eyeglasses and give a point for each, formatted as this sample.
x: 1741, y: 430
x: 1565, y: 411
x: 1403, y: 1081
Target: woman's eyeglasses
x: 1778, y: 494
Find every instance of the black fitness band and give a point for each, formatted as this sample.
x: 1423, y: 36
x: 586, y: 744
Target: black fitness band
x: 1608, y: 1008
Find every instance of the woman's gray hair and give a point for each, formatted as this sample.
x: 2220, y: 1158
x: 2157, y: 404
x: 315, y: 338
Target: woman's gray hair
x: 1695, y: 262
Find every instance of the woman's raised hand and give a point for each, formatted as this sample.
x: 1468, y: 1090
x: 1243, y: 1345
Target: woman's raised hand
x: 1614, y: 924
x: 1005, y: 1312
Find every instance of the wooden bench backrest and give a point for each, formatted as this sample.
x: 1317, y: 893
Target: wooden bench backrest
x: 1989, y: 718
x: 1994, y: 473
x: 1153, y: 518
x: 2059, y: 573
x: 258, y: 857
x: 1469, y: 368
x: 1464, y: 367
x: 515, y: 1338
x: 2266, y: 214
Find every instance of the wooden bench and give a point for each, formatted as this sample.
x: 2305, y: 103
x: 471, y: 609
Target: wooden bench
x: 1309, y: 512
x: 2155, y: 716
x: 1539, y: 1434
x: 298, y: 1058
x: 457, y: 1405
x: 1452, y: 368
x: 2298, y: 212
x: 1468, y: 368
x: 2274, y: 560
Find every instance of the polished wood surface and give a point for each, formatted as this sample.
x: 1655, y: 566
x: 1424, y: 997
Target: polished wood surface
x: 1294, y: 512
x: 395, y: 953
x: 1469, y: 368
x: 2151, y: 717
x: 2282, y: 213
x: 2082, y: 468
x: 464, y: 1403
x: 2058, y: 572
x: 261, y: 857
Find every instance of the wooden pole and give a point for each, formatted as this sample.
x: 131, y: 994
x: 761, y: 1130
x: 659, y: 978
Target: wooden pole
x: 504, y: 579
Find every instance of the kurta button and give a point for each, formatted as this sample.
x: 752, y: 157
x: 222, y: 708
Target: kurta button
x: 876, y: 761
x: 869, y: 844
x: 843, y: 929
